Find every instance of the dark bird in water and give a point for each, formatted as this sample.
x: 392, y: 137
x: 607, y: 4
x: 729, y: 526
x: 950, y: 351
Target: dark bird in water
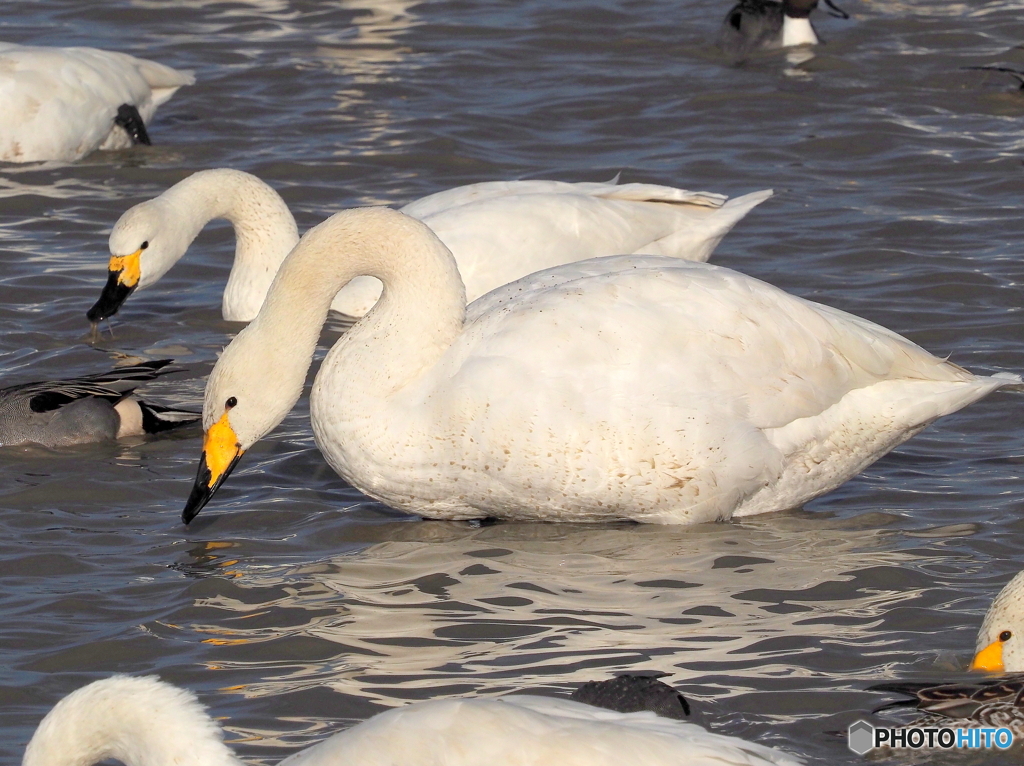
x: 93, y: 408
x: 754, y: 25
x: 1013, y: 72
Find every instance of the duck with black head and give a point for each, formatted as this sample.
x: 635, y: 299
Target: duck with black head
x: 754, y: 25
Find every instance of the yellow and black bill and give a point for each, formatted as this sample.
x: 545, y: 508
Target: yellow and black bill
x: 123, y: 274
x: 221, y: 453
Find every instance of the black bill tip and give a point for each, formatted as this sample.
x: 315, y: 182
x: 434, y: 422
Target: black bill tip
x: 203, y: 490
x: 114, y: 294
x: 128, y: 117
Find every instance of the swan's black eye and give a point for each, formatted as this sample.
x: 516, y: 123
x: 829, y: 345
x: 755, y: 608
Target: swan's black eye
x: 231, y: 402
x: 1005, y: 635
x: 144, y: 245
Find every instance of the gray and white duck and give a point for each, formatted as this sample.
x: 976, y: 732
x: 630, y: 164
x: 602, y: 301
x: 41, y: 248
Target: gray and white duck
x: 754, y: 25
x: 92, y: 408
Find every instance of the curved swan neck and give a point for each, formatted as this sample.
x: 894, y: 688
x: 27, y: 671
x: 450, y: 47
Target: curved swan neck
x: 418, y: 316
x: 265, y: 230
x: 138, y: 721
x: 420, y: 311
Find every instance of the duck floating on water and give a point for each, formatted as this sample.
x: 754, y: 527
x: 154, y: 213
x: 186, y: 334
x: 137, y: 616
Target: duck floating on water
x: 754, y: 25
x: 92, y: 408
x: 988, y: 702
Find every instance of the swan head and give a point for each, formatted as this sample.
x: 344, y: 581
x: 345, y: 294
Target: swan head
x: 1000, y: 647
x: 143, y: 246
x: 243, y: 404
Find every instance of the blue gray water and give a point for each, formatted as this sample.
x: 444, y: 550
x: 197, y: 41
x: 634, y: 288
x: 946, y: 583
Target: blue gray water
x: 294, y: 605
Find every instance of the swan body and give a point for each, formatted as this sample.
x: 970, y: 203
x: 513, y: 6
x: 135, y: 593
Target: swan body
x: 63, y: 103
x: 145, y: 722
x: 498, y: 232
x: 629, y: 387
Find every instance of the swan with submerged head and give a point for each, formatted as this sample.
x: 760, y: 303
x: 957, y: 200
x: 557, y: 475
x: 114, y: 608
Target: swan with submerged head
x: 145, y: 722
x: 63, y: 103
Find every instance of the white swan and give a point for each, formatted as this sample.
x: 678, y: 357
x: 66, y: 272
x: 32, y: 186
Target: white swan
x: 145, y: 722
x: 498, y: 231
x: 63, y: 103
x: 637, y: 387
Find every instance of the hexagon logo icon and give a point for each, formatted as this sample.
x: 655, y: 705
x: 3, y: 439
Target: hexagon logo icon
x: 860, y: 737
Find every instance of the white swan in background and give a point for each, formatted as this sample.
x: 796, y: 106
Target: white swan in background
x: 145, y: 722
x: 630, y: 387
x: 63, y: 103
x: 498, y: 232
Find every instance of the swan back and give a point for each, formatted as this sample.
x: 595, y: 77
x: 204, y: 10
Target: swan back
x: 499, y: 231
x: 138, y: 721
x: 523, y: 730
x: 145, y: 722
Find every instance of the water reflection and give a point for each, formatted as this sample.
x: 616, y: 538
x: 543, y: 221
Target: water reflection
x: 514, y: 606
x: 367, y: 55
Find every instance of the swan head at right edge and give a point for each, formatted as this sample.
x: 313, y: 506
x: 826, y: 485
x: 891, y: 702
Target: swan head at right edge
x: 1000, y: 644
x: 260, y: 375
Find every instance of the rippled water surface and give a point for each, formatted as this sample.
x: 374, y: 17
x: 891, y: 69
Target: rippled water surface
x: 294, y: 605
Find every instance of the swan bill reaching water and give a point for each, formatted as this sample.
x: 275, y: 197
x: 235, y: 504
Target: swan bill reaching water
x: 628, y: 387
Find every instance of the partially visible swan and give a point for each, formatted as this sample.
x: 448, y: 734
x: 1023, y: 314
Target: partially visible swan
x: 992, y: 701
x: 63, y: 103
x: 145, y: 722
x: 628, y: 387
x: 1000, y: 646
x: 92, y: 408
x: 498, y: 231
